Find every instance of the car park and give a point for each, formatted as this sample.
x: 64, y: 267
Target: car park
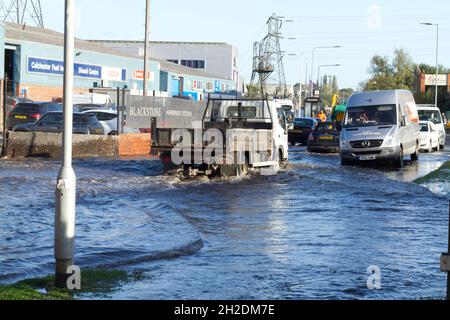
x: 30, y: 112
x: 302, y: 129
x: 433, y: 114
x: 325, y: 138
x: 381, y: 125
x: 429, y: 137
x: 52, y: 122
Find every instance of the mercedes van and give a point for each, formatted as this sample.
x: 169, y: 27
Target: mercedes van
x: 381, y: 125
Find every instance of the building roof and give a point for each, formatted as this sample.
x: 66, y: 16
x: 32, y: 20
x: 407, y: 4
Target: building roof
x: 47, y: 36
x: 163, y: 42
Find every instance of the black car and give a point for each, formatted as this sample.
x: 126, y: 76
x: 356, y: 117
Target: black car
x: 52, y: 122
x: 325, y: 138
x: 28, y: 113
x: 302, y: 129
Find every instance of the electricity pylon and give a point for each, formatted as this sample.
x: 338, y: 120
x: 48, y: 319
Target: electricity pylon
x: 268, y: 67
x: 22, y: 12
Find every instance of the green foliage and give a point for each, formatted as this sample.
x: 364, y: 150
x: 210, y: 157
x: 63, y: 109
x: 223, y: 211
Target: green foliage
x: 442, y: 174
x: 94, y: 282
x: 253, y: 91
x: 398, y: 74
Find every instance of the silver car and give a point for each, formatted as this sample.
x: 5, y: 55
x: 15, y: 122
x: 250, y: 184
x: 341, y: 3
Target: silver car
x: 381, y: 125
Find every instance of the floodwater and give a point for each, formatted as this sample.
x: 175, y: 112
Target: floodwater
x: 310, y: 232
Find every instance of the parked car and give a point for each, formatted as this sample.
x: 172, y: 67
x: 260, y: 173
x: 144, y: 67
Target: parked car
x: 52, y: 122
x: 302, y: 129
x: 107, y: 118
x: 81, y: 107
x: 381, y: 125
x: 429, y: 137
x: 13, y: 101
x: 433, y: 114
x: 325, y: 138
x: 28, y: 113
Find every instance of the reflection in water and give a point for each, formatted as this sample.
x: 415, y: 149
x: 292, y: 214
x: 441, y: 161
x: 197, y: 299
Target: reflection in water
x: 308, y: 233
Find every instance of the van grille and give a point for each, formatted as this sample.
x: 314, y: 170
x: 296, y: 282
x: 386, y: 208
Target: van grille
x: 366, y: 144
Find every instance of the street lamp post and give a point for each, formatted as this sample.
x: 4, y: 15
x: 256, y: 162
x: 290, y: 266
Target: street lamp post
x: 325, y: 66
x: 437, y: 59
x: 312, y: 65
x: 66, y: 183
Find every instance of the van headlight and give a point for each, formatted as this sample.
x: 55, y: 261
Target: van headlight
x: 389, y: 141
x: 344, y: 144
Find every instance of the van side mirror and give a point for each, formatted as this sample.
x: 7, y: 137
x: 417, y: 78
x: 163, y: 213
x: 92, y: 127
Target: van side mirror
x: 404, y: 121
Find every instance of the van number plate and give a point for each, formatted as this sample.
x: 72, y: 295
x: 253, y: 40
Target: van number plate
x: 367, y: 158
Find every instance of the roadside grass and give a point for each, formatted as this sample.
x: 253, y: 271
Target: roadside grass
x: 94, y: 283
x: 440, y: 175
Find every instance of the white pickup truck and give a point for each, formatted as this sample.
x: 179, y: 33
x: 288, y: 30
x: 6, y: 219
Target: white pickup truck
x: 234, y: 137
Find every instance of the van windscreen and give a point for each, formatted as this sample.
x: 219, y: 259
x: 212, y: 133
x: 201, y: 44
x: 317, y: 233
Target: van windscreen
x: 368, y: 116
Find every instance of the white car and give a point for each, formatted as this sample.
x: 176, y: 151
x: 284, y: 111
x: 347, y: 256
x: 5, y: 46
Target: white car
x: 107, y: 118
x: 429, y: 137
x: 433, y: 114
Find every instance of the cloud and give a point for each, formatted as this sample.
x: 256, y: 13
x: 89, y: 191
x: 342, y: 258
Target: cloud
x: 374, y: 17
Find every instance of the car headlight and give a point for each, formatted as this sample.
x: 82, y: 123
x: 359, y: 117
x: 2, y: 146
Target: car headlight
x: 344, y: 144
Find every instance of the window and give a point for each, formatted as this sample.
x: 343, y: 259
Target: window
x: 173, y: 61
x: 247, y: 112
x: 51, y: 119
x: 195, y: 64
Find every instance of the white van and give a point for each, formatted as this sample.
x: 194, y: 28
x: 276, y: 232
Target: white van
x: 381, y: 125
x: 433, y: 114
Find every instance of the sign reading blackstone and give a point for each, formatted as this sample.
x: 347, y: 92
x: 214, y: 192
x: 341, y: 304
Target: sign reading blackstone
x: 55, y: 67
x: 169, y: 112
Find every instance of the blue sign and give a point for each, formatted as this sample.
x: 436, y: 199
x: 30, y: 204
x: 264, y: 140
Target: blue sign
x: 87, y: 71
x: 37, y: 65
x: 217, y: 86
x: 45, y: 66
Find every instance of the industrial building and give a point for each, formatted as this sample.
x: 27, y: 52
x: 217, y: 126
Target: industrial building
x: 217, y: 58
x: 33, y: 65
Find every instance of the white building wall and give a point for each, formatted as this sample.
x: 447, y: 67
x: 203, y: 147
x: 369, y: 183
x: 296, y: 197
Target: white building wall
x: 220, y: 59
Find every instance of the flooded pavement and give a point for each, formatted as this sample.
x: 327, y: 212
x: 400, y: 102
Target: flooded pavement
x: 309, y: 233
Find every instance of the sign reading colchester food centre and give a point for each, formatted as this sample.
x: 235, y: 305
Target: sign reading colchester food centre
x: 56, y: 67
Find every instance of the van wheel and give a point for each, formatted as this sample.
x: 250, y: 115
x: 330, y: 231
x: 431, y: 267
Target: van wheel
x: 415, y: 155
x: 346, y: 162
x: 399, y: 161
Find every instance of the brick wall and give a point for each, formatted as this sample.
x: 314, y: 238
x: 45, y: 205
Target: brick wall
x: 138, y: 144
x: 46, y: 93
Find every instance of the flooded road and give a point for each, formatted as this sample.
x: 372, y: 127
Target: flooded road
x: 309, y: 233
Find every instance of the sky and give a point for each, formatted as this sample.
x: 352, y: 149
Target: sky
x: 363, y: 28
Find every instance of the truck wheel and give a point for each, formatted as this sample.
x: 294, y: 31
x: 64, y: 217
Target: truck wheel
x: 282, y: 161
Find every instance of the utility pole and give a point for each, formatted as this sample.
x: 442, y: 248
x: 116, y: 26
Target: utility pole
x: 146, y: 47
x: 66, y: 183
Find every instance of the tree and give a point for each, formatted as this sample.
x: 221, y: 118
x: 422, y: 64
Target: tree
x: 386, y: 75
x: 253, y: 91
